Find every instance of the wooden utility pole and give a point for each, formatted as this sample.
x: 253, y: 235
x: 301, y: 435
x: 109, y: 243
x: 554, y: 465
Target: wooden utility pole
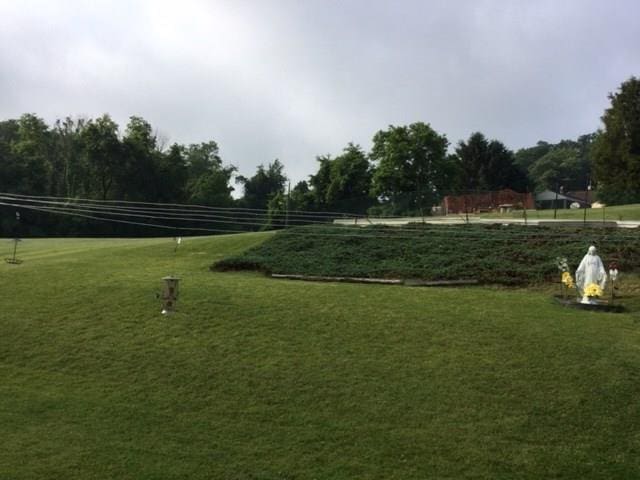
x: 286, y: 218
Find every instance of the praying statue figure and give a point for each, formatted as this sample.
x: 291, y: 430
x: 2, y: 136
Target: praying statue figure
x: 591, y: 270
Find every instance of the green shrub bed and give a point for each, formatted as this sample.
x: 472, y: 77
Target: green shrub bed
x: 490, y: 254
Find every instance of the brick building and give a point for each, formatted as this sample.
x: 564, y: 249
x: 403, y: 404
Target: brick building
x: 487, y: 201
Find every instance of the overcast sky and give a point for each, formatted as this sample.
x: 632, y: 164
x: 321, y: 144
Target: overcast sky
x: 293, y: 80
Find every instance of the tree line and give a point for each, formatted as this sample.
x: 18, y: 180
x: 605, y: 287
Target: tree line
x: 408, y: 170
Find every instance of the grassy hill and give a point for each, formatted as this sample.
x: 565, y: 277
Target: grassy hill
x: 496, y: 254
x: 260, y: 379
x: 615, y: 213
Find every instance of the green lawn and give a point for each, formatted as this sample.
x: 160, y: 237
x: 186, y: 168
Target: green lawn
x: 263, y: 379
x: 616, y: 213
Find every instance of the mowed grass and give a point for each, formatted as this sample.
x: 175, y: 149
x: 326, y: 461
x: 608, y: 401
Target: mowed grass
x: 263, y: 379
x: 629, y: 212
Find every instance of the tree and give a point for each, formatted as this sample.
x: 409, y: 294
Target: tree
x: 203, y: 158
x: 344, y: 183
x: 413, y: 171
x: 320, y: 181
x: 12, y: 171
x: 69, y: 169
x: 173, y: 175
x: 277, y: 211
x: 103, y: 155
x: 139, y: 177
x: 526, y: 157
x: 301, y: 198
x: 32, y: 152
x: 616, y: 152
x: 213, y: 188
x: 488, y: 165
x: 265, y: 184
x: 557, y: 168
x: 208, y: 179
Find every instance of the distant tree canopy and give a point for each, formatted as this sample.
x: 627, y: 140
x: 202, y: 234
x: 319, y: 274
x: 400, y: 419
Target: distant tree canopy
x: 488, y: 165
x: 343, y: 184
x: 412, y: 170
x: 616, y: 153
x: 408, y: 170
x: 265, y: 184
x: 565, y: 164
x: 91, y: 159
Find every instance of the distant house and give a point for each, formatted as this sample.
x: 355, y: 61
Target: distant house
x: 486, y: 202
x: 549, y: 199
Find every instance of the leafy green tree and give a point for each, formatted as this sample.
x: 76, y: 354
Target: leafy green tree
x: 616, y: 152
x: 12, y: 171
x: 302, y: 197
x: 488, y: 165
x: 202, y: 158
x: 413, y: 170
x: 32, y: 151
x: 277, y: 211
x: 139, y: 177
x: 173, y: 175
x: 568, y: 162
x: 208, y: 179
x: 320, y: 181
x: 213, y: 188
x: 103, y: 155
x: 526, y: 157
x: 472, y: 157
x: 557, y: 168
x: 69, y: 168
x: 344, y: 183
x: 261, y: 187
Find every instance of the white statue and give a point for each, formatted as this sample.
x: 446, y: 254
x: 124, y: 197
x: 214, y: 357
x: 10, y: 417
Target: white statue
x: 591, y: 270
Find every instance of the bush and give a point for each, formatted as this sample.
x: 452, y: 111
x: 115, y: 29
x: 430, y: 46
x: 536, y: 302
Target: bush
x: 495, y: 254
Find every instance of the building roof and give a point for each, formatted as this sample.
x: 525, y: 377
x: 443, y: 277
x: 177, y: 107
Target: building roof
x: 549, y: 196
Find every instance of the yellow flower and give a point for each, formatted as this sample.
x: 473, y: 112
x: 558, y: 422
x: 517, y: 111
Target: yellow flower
x: 593, y: 290
x: 567, y: 279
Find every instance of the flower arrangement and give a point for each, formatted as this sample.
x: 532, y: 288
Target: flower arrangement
x: 561, y: 263
x: 593, y: 290
x: 613, y: 271
x: 567, y: 280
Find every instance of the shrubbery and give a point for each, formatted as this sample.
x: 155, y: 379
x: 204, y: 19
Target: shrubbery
x: 508, y: 255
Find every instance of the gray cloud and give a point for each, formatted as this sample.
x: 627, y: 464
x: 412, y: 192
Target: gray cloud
x: 292, y: 80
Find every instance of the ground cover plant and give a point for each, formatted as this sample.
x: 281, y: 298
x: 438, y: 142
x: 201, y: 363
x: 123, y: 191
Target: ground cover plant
x: 499, y: 254
x: 255, y: 378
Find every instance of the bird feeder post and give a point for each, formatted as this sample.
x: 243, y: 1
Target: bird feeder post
x: 169, y: 294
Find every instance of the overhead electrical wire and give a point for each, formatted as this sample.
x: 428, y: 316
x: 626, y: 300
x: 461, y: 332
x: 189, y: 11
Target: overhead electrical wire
x: 146, y: 213
x: 89, y: 211
x: 303, y: 213
x: 216, y: 219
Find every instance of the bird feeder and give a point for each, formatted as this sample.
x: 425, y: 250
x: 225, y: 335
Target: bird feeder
x: 169, y: 295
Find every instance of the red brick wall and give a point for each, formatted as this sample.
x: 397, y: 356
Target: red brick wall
x: 486, y: 201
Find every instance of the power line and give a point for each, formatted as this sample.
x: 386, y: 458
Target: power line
x: 448, y: 233
x: 190, y: 206
x: 146, y: 213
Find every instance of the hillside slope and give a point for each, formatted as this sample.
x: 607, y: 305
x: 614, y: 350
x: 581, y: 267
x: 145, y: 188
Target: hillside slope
x: 259, y: 379
x: 510, y: 255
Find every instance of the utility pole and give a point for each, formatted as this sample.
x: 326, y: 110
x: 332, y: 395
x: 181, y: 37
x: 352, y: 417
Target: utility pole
x: 16, y: 239
x: 466, y: 209
x: 584, y: 221
x: 286, y: 218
